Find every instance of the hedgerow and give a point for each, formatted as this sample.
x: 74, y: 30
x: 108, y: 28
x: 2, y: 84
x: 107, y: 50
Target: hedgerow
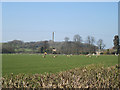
x: 91, y: 76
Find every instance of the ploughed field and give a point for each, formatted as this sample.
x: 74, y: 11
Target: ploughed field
x: 35, y: 63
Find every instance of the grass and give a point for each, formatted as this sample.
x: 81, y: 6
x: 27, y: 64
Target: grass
x: 31, y: 64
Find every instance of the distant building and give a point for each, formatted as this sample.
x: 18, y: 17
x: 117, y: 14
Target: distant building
x: 54, y: 51
x: 98, y: 52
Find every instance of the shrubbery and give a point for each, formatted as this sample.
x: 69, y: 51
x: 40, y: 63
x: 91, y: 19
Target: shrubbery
x: 91, y: 76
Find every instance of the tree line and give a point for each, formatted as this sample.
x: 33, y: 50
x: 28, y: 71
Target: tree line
x: 76, y: 46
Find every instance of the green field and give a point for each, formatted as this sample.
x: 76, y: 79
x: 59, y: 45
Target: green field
x: 26, y: 63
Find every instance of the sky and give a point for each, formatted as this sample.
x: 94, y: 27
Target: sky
x: 35, y: 21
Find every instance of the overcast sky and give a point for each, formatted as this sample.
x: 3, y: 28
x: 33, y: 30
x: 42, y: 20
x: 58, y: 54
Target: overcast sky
x: 36, y: 21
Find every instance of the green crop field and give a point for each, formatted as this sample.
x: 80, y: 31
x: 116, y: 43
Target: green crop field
x: 35, y: 63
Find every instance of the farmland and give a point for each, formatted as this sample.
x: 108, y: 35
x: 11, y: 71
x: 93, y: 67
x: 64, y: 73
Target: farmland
x: 35, y: 63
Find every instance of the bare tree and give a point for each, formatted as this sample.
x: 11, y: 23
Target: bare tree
x: 77, y: 38
x: 66, y: 39
x: 90, y: 40
x: 100, y: 44
x: 77, y: 43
